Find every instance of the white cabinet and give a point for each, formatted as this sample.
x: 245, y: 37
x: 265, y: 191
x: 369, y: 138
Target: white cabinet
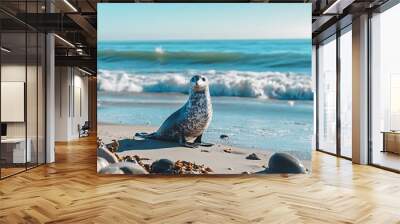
x: 17, y: 147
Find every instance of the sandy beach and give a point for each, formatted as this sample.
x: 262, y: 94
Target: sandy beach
x: 221, y: 158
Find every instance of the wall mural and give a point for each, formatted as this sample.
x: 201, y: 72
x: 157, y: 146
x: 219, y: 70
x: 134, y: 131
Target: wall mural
x: 204, y: 89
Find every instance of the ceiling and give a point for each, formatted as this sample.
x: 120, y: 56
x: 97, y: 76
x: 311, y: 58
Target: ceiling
x: 75, y: 21
x: 329, y: 16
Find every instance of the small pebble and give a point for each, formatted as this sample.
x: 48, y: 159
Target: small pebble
x: 208, y: 169
x: 228, y: 150
x: 223, y: 136
x: 253, y: 156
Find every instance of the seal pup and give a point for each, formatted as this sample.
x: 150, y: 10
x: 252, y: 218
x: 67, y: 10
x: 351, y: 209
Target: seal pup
x: 188, y: 124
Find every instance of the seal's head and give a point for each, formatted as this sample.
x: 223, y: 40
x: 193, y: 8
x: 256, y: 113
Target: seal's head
x: 198, y: 83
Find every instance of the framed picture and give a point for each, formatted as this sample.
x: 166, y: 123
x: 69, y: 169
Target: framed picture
x: 204, y: 89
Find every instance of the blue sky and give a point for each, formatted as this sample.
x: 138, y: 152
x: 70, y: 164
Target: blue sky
x: 203, y: 21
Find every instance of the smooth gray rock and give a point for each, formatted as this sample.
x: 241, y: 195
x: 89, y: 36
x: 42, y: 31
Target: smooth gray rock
x: 111, y: 170
x: 129, y: 168
x: 101, y: 163
x: 164, y: 166
x: 106, y: 154
x: 284, y: 163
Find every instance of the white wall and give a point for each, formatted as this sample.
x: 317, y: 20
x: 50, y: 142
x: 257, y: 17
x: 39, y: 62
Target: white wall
x: 70, y: 84
x: 79, y: 112
x: 62, y: 81
x: 33, y: 126
x: 14, y: 72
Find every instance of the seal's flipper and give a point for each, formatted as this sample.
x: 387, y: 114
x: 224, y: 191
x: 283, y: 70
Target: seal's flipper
x: 145, y: 135
x: 140, y: 134
x: 198, y: 141
x: 205, y: 144
x: 183, y: 142
x: 190, y: 145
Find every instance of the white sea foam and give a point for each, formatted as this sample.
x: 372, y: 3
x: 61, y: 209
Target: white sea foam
x: 159, y: 50
x: 273, y: 85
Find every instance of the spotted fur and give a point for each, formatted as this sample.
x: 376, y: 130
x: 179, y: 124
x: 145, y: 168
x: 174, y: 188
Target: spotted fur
x: 192, y: 119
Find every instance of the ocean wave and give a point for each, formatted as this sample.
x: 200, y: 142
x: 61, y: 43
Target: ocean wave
x: 160, y: 56
x: 272, y: 85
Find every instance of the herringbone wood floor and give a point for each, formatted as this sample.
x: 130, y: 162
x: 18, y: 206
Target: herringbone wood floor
x: 70, y: 191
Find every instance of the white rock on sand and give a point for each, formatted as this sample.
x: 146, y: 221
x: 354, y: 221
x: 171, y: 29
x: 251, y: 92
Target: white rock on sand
x: 129, y: 167
x: 101, y: 163
x: 104, y: 153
